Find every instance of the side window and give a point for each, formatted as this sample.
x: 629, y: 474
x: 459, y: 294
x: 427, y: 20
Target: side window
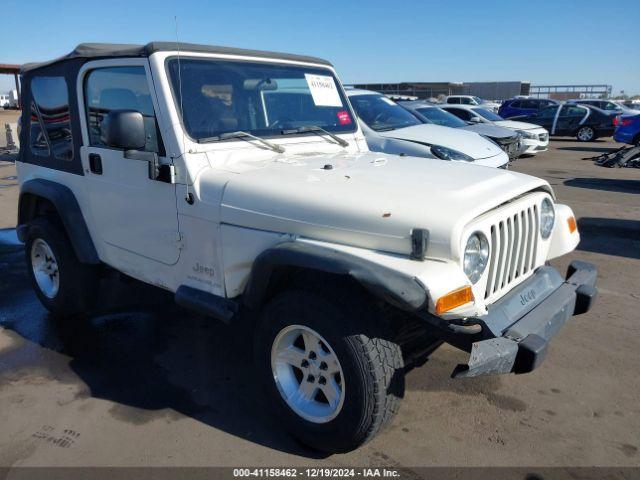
x: 466, y: 101
x: 119, y: 88
x: 516, y: 104
x: 572, y: 111
x: 532, y: 104
x: 50, y: 129
x: 461, y: 113
x: 453, y: 100
x: 547, y: 112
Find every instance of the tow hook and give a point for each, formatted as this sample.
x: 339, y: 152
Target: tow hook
x: 465, y: 328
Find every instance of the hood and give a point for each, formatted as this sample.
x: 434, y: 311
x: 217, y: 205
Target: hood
x: 369, y: 200
x: 489, y: 130
x: 468, y: 143
x: 515, y: 125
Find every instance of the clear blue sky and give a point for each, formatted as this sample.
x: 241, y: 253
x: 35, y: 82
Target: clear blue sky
x: 544, y: 41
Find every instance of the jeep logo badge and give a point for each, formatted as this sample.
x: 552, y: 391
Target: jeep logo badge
x: 527, y: 297
x: 203, y: 270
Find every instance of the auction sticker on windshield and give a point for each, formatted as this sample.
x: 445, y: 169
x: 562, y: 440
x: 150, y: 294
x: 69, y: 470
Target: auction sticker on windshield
x: 323, y: 90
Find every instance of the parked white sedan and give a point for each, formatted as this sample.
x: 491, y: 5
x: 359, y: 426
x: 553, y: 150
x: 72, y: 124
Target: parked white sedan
x: 534, y: 137
x: 381, y: 118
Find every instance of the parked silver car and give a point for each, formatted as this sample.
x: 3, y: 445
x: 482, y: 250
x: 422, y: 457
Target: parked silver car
x: 508, y: 140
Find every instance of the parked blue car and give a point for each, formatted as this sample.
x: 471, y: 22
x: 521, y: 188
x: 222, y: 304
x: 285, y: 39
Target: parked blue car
x: 627, y: 129
x: 523, y: 106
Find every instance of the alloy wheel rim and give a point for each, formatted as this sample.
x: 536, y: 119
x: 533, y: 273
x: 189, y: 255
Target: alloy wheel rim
x: 308, y: 374
x: 585, y: 133
x: 45, y: 268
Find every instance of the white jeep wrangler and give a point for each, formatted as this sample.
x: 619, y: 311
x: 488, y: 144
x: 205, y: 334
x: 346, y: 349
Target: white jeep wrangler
x: 240, y: 180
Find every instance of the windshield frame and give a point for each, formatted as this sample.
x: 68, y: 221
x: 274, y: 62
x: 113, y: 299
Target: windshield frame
x: 253, y: 61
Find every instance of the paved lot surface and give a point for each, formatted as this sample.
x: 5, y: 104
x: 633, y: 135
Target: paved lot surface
x: 145, y: 383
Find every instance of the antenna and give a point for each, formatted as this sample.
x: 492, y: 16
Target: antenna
x: 189, y: 196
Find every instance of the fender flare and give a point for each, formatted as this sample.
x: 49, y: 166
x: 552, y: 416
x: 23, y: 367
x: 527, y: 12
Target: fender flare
x: 69, y: 211
x: 400, y: 290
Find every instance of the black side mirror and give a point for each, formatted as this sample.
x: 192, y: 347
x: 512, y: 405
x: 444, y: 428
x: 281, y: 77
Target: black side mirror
x: 124, y: 129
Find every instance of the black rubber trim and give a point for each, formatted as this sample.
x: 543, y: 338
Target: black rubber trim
x: 399, y: 290
x: 89, y: 51
x: 69, y: 211
x: 532, y: 351
x: 585, y: 298
x: 206, y: 303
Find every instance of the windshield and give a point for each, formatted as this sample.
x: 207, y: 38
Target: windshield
x: 380, y: 113
x: 441, y: 117
x: 263, y: 99
x: 487, y: 114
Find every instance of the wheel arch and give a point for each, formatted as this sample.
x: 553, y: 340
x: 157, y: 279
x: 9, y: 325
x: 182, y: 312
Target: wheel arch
x: 272, y: 266
x: 42, y: 197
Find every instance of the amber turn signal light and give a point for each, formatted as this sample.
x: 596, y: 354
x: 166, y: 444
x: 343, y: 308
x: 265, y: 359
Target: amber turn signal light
x: 454, y: 299
x: 571, y: 221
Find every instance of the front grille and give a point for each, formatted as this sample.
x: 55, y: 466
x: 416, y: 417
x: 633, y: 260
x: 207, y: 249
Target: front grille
x: 514, y: 247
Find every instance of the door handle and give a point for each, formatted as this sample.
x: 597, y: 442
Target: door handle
x: 95, y: 163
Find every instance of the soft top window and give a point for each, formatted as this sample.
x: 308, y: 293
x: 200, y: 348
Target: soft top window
x: 264, y: 99
x: 120, y: 88
x: 50, y: 128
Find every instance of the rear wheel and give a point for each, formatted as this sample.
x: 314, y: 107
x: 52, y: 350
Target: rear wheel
x: 63, y: 284
x: 586, y: 134
x: 329, y: 367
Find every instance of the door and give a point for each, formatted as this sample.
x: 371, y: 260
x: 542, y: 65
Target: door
x: 569, y: 119
x: 545, y: 117
x: 130, y: 212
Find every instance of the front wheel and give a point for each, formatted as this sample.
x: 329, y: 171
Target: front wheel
x: 586, y: 134
x: 328, y: 368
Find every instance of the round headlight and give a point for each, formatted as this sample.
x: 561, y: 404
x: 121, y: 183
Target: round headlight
x: 547, y: 218
x: 476, y: 255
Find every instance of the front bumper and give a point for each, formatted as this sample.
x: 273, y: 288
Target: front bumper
x: 517, y: 330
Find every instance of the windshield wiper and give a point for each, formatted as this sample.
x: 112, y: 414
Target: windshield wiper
x: 315, y: 128
x: 241, y: 134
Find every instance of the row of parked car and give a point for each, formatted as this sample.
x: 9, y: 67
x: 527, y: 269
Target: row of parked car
x: 457, y: 132
x: 486, y: 133
x: 587, y: 119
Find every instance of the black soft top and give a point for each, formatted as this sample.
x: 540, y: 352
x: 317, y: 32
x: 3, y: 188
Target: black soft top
x: 113, y: 50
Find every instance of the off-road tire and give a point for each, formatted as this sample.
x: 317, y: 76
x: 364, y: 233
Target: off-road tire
x: 78, y: 283
x: 361, y: 336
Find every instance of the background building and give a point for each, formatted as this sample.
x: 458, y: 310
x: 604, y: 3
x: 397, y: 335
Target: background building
x: 486, y: 90
x: 489, y: 90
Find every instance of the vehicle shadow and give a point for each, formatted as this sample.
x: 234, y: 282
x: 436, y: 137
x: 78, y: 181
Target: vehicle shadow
x: 606, y: 184
x: 610, y: 236
x: 590, y: 149
x: 575, y: 140
x: 150, y: 357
